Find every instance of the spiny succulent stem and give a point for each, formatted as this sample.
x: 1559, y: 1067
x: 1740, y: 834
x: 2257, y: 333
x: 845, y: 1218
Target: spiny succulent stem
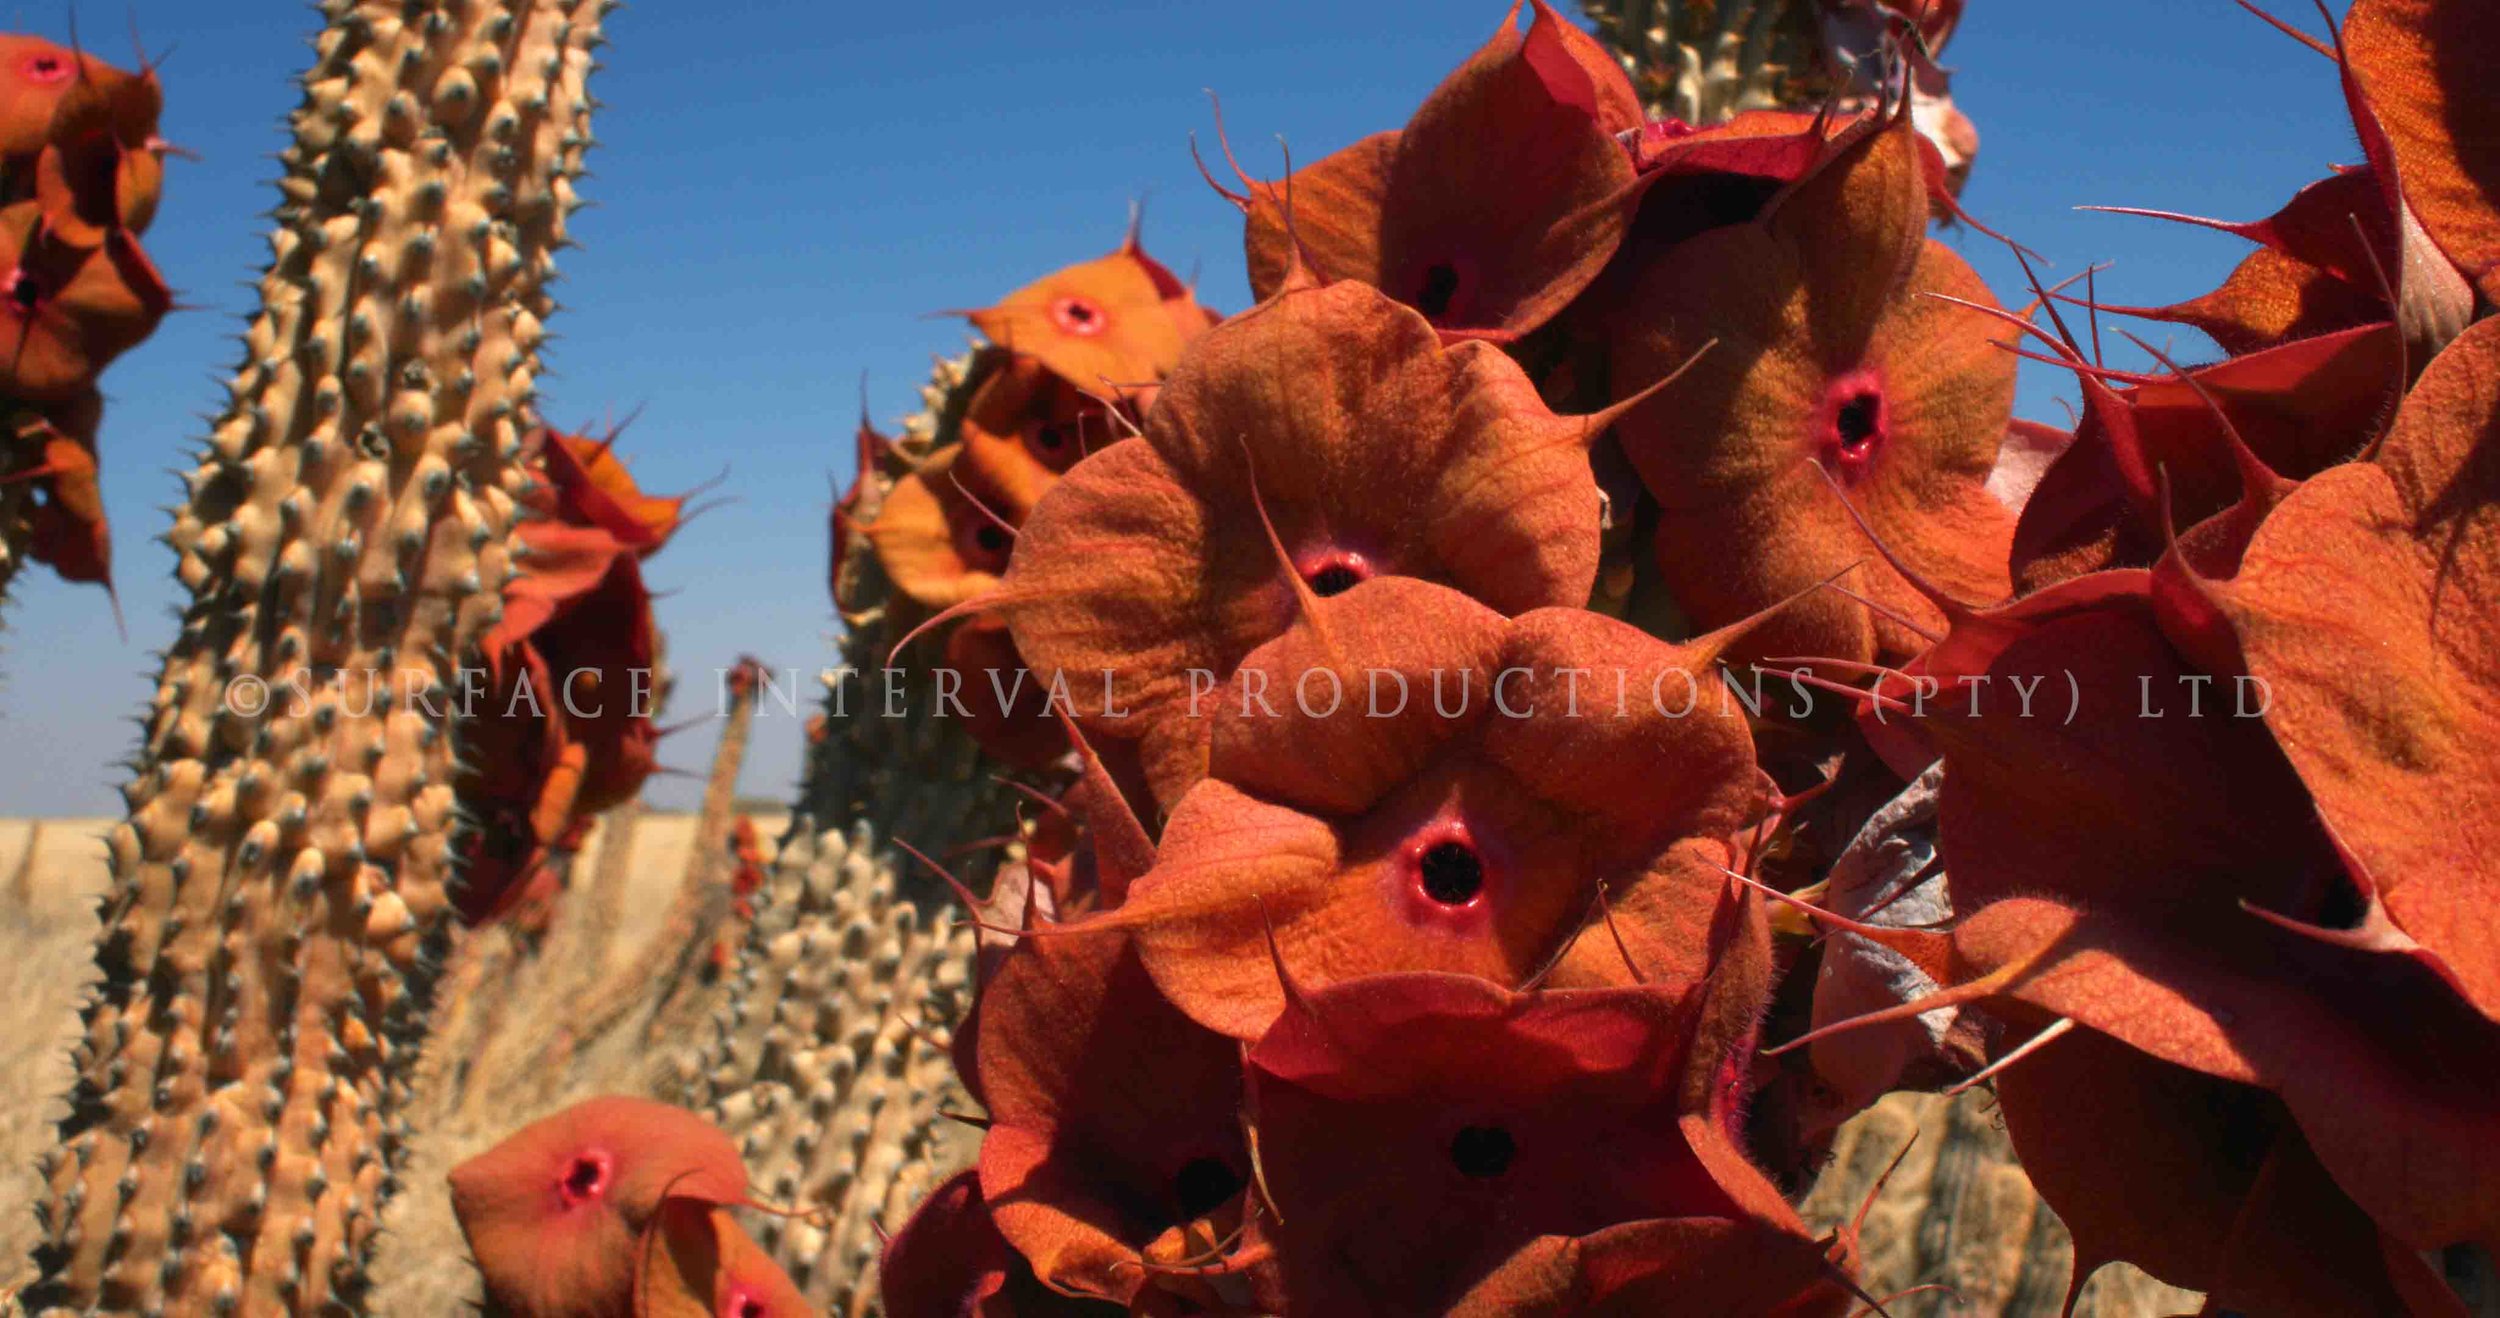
x: 281, y: 886
x: 1702, y: 61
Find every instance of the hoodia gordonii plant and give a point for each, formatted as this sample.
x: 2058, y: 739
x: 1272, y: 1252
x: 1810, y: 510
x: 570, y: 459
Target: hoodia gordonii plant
x: 829, y: 1064
x: 281, y: 889
x: 916, y: 777
x: 831, y: 1069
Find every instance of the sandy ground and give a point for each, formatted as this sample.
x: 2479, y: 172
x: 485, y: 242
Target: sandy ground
x: 1957, y: 1212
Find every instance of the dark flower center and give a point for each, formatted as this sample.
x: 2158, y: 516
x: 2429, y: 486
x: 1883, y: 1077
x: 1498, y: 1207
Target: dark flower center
x: 2341, y: 907
x: 584, y: 1177
x: 1440, y: 286
x: 1336, y: 574
x: 991, y: 537
x: 1334, y: 579
x: 1482, y: 1152
x: 1077, y: 315
x: 1452, y: 873
x: 1203, y: 1185
x: 24, y: 293
x: 1857, y: 421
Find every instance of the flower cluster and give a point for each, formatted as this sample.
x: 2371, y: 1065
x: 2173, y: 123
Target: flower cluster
x: 1341, y: 1011
x: 1453, y: 1009
x: 1068, y: 365
x: 1404, y: 930
x: 565, y: 728
x: 2247, y: 989
x: 81, y: 167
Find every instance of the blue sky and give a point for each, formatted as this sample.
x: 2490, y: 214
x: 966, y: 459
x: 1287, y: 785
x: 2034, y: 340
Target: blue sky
x: 786, y: 188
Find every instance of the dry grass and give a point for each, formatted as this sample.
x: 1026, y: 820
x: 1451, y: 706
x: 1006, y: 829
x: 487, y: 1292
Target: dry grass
x: 591, y: 1011
x: 51, y: 875
x: 1958, y: 1213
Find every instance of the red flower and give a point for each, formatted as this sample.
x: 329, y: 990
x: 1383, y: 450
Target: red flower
x: 67, y: 529
x: 2147, y: 897
x: 949, y: 1261
x: 1434, y: 1142
x: 564, y: 729
x: 2422, y: 65
x: 1377, y: 451
x: 1470, y: 829
x: 1501, y: 199
x: 1828, y: 361
x: 68, y: 311
x: 1114, y: 1142
x: 2364, y: 604
x: 556, y: 1215
x: 697, y: 1262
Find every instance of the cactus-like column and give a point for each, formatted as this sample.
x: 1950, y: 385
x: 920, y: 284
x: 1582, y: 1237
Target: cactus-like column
x: 832, y: 1070
x: 906, y: 772
x: 1702, y: 61
x: 280, y: 887
x: 830, y: 1062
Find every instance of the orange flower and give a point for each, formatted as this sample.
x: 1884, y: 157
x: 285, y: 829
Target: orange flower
x: 2424, y: 66
x: 34, y: 75
x: 102, y: 166
x: 1377, y: 451
x: 37, y: 77
x: 942, y: 535
x: 1104, y: 326
x: 1469, y: 829
x: 557, y: 1214
x: 2364, y: 604
x: 1502, y: 198
x: 1068, y: 352
x: 1114, y: 1136
x: 2148, y: 900
x: 1025, y: 426
x: 1828, y: 361
x: 66, y: 311
x: 1574, y: 1145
